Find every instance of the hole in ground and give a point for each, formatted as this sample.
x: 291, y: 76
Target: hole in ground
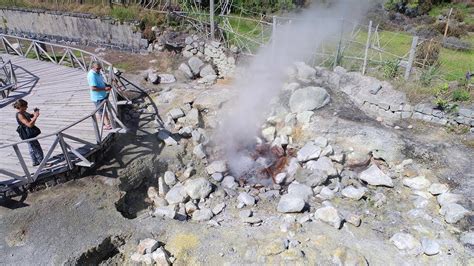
x: 105, y: 251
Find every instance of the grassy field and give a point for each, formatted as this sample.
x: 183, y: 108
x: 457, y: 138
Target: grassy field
x: 467, y: 12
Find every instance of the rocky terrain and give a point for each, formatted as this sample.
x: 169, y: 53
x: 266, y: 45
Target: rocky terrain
x: 331, y: 182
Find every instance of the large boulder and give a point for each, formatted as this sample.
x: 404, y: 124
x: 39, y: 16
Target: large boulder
x: 308, y: 99
x: 186, y: 70
x: 207, y: 70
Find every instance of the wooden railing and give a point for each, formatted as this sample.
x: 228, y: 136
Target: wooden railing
x: 76, y: 58
x: 8, y: 81
x: 66, y: 56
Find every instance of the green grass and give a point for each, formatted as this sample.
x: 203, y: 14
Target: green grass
x: 467, y: 11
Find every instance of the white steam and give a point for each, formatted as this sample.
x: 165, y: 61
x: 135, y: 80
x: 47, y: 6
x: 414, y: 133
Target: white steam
x: 263, y: 78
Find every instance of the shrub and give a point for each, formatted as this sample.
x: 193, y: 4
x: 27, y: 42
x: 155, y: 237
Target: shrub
x: 390, y: 68
x: 441, y: 103
x: 461, y: 95
x: 454, y: 29
x: 454, y: 43
x: 429, y: 74
x: 428, y: 52
x: 441, y: 90
x: 426, y: 31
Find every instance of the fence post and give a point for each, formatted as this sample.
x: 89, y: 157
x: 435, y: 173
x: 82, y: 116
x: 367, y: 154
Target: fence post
x: 211, y: 11
x: 411, y: 58
x: 367, y: 46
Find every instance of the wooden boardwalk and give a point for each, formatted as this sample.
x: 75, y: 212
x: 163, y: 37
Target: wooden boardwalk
x: 62, y: 95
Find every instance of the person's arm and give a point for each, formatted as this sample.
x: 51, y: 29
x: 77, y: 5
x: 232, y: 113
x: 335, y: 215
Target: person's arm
x: 94, y: 88
x: 30, y: 123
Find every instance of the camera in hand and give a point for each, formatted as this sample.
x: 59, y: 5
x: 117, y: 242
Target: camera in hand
x: 36, y: 109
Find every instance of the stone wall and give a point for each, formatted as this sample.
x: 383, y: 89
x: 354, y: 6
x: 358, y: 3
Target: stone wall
x: 71, y: 28
x: 379, y: 99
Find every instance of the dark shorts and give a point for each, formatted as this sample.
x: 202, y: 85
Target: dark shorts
x: 97, y: 104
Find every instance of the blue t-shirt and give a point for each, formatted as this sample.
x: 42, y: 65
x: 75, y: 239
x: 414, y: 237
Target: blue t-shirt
x: 95, y: 79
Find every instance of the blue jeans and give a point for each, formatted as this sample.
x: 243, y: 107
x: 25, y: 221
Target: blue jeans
x: 36, y: 152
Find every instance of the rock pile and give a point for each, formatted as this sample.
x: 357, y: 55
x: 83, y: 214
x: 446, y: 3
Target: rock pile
x: 149, y: 251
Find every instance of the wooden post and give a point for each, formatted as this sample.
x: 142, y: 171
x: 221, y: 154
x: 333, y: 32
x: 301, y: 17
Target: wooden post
x: 22, y: 163
x: 96, y: 129
x: 211, y: 12
x: 367, y: 46
x: 447, y: 23
x: 411, y: 57
x: 62, y: 143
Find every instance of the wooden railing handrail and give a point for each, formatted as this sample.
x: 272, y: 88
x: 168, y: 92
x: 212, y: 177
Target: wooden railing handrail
x: 58, y: 131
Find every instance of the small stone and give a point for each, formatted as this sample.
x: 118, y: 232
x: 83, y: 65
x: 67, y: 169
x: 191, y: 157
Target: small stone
x: 357, y: 159
x: 160, y: 257
x: 246, y: 199
x: 419, y: 182
x: 353, y: 219
x: 202, y: 215
x: 269, y: 134
x: 300, y: 190
x: 375, y: 177
x: 437, y: 188
x: 280, y: 178
x: 467, y: 238
x: 290, y: 204
x: 229, y: 182
x: 216, y: 167
x: 218, y: 208
x: 324, y: 165
x: 453, y: 212
x: 152, y: 193
x: 192, y: 118
x: 338, y: 158
x: 170, y: 178
x: 329, y: 215
x: 353, y: 193
x: 217, y: 176
x: 327, y: 151
x: 199, y: 151
x: 177, y: 194
x: 309, y: 151
x: 165, y: 136
x: 326, y: 194
x: 165, y: 212
x: 163, y: 188
x: 346, y: 256
x: 188, y: 173
x: 245, y: 213
x: 190, y: 207
x: 186, y: 132
x: 322, y: 142
x: 147, y: 245
x: 447, y: 198
x: 430, y: 247
x: 404, y: 241
x: 176, y: 113
x: 198, y: 188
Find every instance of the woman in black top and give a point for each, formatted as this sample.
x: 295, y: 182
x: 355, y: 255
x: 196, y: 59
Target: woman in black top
x: 26, y: 119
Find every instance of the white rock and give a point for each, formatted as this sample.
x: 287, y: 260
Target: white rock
x: 308, y: 99
x: 304, y: 117
x: 229, y: 182
x: 188, y: 172
x: 170, y: 178
x: 324, y: 165
x: 269, y: 133
x: 186, y: 132
x: 453, y: 212
x: 293, y: 167
x: 192, y: 117
x: 218, y: 208
x: 216, y: 167
x: 176, y: 113
x: 419, y: 182
x: 166, y: 138
x: 202, y: 215
x: 217, y: 176
x: 430, y: 247
x: 207, y: 70
x: 165, y: 212
x: 309, y: 151
x: 186, y: 70
x: 195, y: 64
x: 467, y: 238
x: 152, y: 193
x: 190, y: 207
x: 353, y: 193
x: 305, y: 73
x: 160, y: 257
x: 246, y: 199
x: 280, y: 178
x: 438, y: 188
x: 147, y: 245
x: 327, y: 151
x: 375, y: 177
x: 447, y: 198
x: 321, y: 141
x: 404, y: 241
x: 326, y: 194
x: 163, y: 188
x: 199, y: 151
x: 198, y: 188
x: 176, y: 195
x: 167, y: 78
x: 300, y: 190
x: 329, y: 215
x: 290, y: 204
